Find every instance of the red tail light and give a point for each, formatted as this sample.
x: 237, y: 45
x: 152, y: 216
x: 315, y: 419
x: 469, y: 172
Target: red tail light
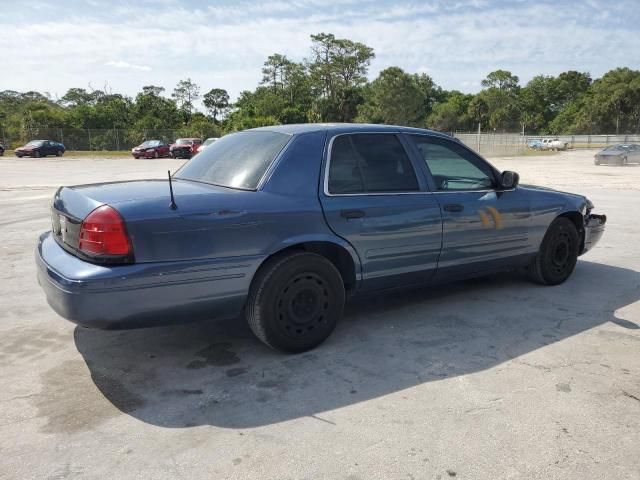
x: 103, y: 233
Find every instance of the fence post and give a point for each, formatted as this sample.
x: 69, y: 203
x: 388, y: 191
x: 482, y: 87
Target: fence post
x: 478, y: 139
x: 117, y: 140
x: 89, y: 135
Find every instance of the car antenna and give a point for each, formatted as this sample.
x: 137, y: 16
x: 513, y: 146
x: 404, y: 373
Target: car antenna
x: 173, y: 200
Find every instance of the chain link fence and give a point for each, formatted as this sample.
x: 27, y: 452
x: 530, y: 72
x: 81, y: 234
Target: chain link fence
x: 488, y: 144
x: 495, y: 144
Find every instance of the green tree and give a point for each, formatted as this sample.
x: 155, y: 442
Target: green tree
x: 153, y: 111
x: 396, y: 98
x: 501, y: 97
x: 216, y: 102
x: 338, y: 70
x: 452, y: 114
x: 185, y: 93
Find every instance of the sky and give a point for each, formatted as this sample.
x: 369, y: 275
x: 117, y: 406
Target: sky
x: 50, y: 46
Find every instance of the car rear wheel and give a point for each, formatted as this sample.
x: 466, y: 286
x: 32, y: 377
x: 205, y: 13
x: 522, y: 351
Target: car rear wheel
x: 295, y: 301
x: 37, y: 154
x: 155, y: 154
x: 59, y: 153
x: 558, y: 253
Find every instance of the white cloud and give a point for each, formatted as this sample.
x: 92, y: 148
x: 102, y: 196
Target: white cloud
x: 123, y: 64
x: 457, y: 43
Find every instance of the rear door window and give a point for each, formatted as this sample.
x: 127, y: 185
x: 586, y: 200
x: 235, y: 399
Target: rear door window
x: 369, y: 163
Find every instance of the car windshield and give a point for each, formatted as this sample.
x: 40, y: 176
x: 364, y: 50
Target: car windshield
x: 238, y: 160
x: 150, y: 143
x: 183, y: 141
x: 35, y: 143
x: 617, y: 147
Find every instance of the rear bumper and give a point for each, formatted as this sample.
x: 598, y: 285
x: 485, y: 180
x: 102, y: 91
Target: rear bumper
x: 593, y: 230
x: 129, y: 296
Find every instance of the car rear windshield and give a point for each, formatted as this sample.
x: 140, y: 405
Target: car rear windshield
x: 238, y: 160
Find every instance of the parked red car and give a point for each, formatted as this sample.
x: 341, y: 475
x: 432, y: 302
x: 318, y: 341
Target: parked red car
x: 185, y: 147
x: 40, y: 148
x: 151, y: 149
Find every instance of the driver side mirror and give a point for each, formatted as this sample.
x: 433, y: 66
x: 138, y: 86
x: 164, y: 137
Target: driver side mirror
x: 509, y: 180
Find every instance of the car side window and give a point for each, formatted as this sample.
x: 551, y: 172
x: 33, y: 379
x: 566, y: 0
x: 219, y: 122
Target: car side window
x: 452, y: 166
x: 370, y: 163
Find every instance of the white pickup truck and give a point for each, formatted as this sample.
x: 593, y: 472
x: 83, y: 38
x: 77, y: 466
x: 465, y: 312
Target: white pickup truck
x: 554, y: 144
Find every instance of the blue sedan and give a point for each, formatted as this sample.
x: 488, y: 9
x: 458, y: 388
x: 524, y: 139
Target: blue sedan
x: 284, y: 223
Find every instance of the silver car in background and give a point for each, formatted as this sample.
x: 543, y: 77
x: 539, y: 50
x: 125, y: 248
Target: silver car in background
x: 620, y: 154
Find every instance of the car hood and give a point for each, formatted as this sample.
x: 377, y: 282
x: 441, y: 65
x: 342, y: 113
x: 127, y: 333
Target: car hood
x: 569, y: 201
x: 551, y: 190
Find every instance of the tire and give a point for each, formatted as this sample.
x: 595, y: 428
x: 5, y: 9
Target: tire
x: 558, y: 254
x: 59, y: 153
x: 37, y: 154
x: 155, y: 154
x: 624, y: 161
x: 295, y: 301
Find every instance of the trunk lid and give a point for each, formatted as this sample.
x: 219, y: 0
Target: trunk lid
x: 144, y: 207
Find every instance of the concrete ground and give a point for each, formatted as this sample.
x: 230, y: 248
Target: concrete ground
x: 487, y: 379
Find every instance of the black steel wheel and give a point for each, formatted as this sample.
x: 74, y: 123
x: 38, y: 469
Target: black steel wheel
x: 295, y: 301
x: 558, y: 253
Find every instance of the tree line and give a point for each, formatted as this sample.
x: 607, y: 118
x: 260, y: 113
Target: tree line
x: 332, y: 85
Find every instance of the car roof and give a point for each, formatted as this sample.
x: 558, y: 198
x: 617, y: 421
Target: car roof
x: 335, y: 128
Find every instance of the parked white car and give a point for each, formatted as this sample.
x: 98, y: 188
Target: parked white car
x: 554, y: 144
x: 206, y: 143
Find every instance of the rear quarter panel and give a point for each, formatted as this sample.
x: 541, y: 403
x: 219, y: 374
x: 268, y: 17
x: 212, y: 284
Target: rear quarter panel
x: 236, y: 223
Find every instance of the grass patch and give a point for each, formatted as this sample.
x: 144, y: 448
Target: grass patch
x: 86, y: 154
x: 98, y: 154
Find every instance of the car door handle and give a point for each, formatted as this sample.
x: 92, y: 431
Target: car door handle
x: 453, y: 207
x: 351, y: 214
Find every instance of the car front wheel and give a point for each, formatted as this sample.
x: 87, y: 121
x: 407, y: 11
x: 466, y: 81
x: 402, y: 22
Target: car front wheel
x: 37, y: 154
x: 295, y: 301
x: 59, y: 153
x: 558, y: 254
